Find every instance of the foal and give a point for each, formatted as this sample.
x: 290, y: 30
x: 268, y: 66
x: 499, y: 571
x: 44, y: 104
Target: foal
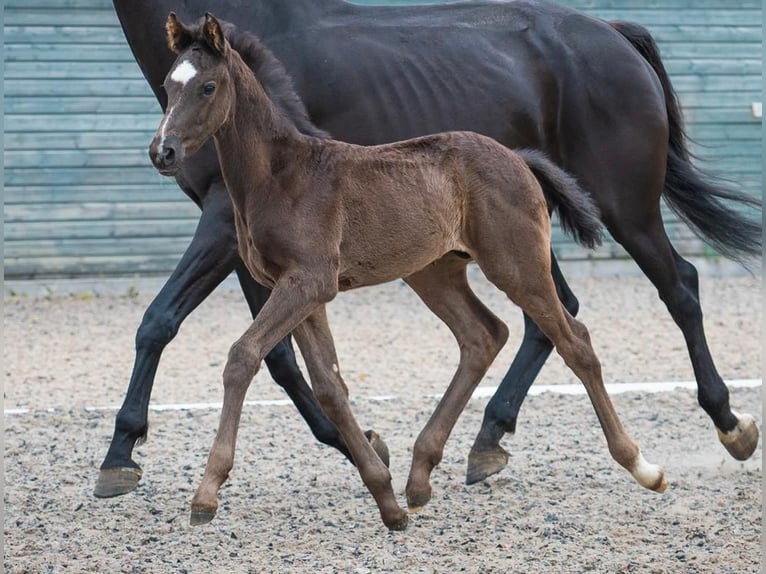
x: 317, y: 216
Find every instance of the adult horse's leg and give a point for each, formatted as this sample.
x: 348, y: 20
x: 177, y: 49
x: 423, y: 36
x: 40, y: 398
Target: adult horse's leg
x: 209, y: 259
x: 676, y: 281
x: 487, y: 457
x: 444, y: 288
x: 285, y: 372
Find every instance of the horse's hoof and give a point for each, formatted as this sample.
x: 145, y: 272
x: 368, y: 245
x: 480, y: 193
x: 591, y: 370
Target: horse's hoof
x: 742, y: 440
x: 116, y: 481
x: 399, y: 524
x: 648, y: 475
x: 417, y: 502
x: 200, y: 516
x: 378, y: 445
x: 484, y: 463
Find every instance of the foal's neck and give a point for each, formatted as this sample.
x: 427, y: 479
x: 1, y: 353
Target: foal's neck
x: 253, y: 134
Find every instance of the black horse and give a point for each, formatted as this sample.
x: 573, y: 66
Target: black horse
x: 594, y: 96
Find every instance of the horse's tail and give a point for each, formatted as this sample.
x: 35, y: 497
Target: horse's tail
x: 578, y: 214
x: 697, y: 198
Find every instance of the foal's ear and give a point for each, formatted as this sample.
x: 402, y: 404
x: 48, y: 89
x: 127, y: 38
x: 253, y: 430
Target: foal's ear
x: 214, y: 34
x: 178, y: 35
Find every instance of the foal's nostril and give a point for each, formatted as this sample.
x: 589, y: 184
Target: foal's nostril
x: 168, y: 156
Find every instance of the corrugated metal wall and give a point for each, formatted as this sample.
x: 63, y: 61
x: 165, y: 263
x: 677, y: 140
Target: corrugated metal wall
x: 82, y: 199
x: 80, y: 195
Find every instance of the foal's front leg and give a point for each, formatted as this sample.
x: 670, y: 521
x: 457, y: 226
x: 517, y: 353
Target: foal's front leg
x: 290, y: 302
x: 315, y: 341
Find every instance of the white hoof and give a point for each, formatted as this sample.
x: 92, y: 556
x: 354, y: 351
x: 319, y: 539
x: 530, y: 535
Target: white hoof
x: 742, y: 440
x: 648, y: 475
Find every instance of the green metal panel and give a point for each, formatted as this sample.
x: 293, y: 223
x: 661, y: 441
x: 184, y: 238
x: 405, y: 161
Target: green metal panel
x: 81, y: 197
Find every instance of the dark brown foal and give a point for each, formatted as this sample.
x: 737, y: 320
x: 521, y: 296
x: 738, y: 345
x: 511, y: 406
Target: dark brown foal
x: 317, y: 216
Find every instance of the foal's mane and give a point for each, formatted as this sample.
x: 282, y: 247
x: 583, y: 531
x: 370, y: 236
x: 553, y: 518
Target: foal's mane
x: 270, y: 72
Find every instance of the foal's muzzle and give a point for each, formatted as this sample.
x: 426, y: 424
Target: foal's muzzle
x: 165, y: 153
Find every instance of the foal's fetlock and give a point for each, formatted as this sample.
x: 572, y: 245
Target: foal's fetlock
x: 742, y: 440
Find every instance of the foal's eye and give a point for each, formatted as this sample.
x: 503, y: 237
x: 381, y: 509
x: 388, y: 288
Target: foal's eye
x: 208, y: 89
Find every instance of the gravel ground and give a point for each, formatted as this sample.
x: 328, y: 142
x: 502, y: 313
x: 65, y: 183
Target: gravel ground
x: 562, y: 505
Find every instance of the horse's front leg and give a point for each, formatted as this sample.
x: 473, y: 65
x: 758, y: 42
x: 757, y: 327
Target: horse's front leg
x: 210, y: 257
x: 316, y: 344
x: 291, y: 301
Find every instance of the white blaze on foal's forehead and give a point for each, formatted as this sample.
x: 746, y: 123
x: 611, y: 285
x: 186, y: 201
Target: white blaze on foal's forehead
x: 183, y: 72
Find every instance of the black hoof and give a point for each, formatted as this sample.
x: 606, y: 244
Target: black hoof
x: 485, y: 463
x: 200, y: 517
x: 116, y: 481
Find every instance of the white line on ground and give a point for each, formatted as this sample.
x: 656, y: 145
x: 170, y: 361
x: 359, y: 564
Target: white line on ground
x: 480, y: 392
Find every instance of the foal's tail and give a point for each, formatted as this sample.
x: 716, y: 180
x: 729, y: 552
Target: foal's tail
x: 578, y: 214
x: 695, y: 197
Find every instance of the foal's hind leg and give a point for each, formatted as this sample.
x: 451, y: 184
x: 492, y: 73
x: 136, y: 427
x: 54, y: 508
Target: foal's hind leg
x: 487, y: 457
x: 527, y: 282
x: 443, y: 286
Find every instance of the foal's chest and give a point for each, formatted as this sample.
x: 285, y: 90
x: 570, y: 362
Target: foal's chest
x: 257, y: 253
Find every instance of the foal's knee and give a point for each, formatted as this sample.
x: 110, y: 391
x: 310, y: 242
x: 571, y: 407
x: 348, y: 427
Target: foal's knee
x: 242, y: 364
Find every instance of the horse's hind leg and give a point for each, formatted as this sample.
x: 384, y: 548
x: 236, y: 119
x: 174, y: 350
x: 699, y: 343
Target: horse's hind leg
x: 444, y: 288
x: 676, y: 281
x: 526, y: 279
x: 315, y: 341
x: 487, y: 457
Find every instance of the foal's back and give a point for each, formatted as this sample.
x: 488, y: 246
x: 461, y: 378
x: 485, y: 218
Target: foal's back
x: 409, y: 203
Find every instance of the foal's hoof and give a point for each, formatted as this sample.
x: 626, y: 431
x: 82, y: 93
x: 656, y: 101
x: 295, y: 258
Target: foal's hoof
x: 399, y: 524
x: 116, y: 481
x: 742, y: 440
x: 416, y: 502
x: 484, y: 463
x: 378, y: 445
x: 648, y: 475
x: 200, y: 516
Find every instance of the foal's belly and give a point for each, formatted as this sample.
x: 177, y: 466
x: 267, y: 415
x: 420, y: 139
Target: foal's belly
x: 395, y: 261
